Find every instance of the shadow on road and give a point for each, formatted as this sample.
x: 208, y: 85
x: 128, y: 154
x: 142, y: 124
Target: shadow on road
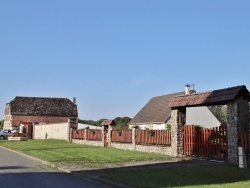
x: 171, y: 174
x: 44, y: 180
x: 11, y: 167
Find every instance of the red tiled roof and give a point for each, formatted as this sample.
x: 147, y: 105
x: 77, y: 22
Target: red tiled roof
x: 216, y: 97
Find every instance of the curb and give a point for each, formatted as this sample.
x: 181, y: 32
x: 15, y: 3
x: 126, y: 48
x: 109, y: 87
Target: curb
x: 37, y: 160
x: 93, y: 179
x: 102, y: 180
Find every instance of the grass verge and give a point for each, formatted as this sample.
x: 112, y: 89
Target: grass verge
x: 62, y: 151
x: 212, y: 176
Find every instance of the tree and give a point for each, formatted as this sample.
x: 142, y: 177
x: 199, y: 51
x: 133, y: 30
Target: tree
x: 91, y: 122
x: 120, y: 121
x: 1, y: 124
x: 220, y: 112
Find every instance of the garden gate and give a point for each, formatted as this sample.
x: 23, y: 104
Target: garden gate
x: 211, y: 143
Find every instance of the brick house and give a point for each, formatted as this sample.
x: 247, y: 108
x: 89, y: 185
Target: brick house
x: 28, y: 110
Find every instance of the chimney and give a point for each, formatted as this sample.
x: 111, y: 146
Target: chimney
x: 187, y: 89
x: 74, y: 100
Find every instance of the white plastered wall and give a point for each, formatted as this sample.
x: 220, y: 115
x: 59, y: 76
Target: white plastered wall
x: 201, y: 116
x: 6, y: 125
x: 58, y: 131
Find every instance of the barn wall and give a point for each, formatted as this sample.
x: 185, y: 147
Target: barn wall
x: 40, y: 119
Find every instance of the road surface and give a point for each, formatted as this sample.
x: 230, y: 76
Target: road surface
x: 19, y: 171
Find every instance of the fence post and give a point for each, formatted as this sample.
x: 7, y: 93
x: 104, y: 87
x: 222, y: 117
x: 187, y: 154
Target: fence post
x: 103, y: 136
x: 71, y: 134
x: 109, y: 135
x: 85, y: 135
x: 133, y: 139
x: 68, y: 132
x: 34, y: 131
x: 242, y: 158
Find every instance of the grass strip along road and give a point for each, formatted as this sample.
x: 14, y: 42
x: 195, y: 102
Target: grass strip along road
x: 62, y: 151
x: 215, y: 175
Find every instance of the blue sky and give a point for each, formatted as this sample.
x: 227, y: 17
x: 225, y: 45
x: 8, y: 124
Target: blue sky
x: 113, y: 56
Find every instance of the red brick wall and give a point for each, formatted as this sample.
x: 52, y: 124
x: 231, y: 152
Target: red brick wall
x: 40, y: 119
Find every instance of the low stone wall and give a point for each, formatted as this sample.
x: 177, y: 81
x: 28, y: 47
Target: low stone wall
x: 58, y: 131
x: 125, y: 146
x: 167, y: 150
x: 88, y: 142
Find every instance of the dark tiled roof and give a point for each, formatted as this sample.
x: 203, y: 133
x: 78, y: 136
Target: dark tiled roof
x: 156, y: 110
x: 108, y: 122
x: 216, y: 97
x: 41, y: 106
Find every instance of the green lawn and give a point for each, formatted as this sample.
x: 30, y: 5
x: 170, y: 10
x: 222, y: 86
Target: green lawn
x: 185, y: 175
x: 212, y: 176
x: 61, y: 151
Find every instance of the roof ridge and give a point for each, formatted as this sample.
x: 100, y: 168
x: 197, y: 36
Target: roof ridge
x: 155, y: 110
x: 200, y: 93
x: 169, y: 94
x: 34, y: 106
x: 219, y: 96
x: 43, y: 97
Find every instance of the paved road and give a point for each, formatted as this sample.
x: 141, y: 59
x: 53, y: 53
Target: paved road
x: 19, y: 171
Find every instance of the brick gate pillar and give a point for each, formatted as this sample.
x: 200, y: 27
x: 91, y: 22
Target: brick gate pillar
x: 237, y: 122
x: 178, y: 119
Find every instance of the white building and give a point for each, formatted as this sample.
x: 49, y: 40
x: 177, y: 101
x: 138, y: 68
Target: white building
x: 157, y: 115
x: 84, y: 126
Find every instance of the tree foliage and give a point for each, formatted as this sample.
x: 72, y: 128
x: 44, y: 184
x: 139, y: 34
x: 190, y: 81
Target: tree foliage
x: 91, y: 122
x: 220, y: 112
x: 120, y: 121
x: 1, y: 124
